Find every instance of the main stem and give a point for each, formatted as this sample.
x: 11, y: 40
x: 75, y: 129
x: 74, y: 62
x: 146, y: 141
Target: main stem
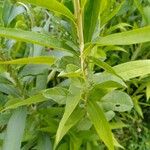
x: 79, y: 21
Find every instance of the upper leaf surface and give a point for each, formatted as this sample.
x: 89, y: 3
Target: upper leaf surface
x: 52, y: 5
x: 34, y: 37
x: 135, y: 36
x: 92, y: 10
x: 100, y: 123
x: 133, y: 69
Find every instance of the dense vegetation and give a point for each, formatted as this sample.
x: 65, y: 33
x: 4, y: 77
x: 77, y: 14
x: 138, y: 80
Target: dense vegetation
x: 74, y: 74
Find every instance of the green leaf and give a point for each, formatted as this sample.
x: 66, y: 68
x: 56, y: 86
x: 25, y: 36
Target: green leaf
x: 109, y: 115
x: 92, y: 10
x: 106, y: 17
x: 75, y: 141
x: 6, y: 11
x: 52, y: 5
x: 117, y: 144
x: 137, y: 106
x: 97, y: 92
x: 31, y: 60
x: 32, y: 100
x: 114, y: 48
x: 10, y: 12
x: 107, y: 80
x: 9, y: 89
x: 117, y: 101
x: 141, y: 10
x: 120, y: 26
x: 71, y: 104
x: 103, y: 65
x: 83, y: 2
x: 148, y: 91
x: 100, y: 123
x: 146, y: 17
x: 74, y: 118
x: 118, y: 125
x: 33, y: 69
x: 135, y: 36
x: 15, y: 130
x: 103, y: 5
x: 35, y: 38
x: 58, y: 94
x: 44, y: 142
x: 133, y: 69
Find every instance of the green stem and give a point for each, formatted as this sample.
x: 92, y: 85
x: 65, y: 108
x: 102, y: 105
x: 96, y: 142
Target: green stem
x: 79, y: 21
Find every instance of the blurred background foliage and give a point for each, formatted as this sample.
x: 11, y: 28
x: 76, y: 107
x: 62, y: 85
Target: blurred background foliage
x: 115, y: 16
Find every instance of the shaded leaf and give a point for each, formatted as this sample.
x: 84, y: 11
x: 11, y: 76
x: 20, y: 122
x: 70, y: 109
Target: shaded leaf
x: 15, y: 130
x: 100, y: 123
x: 71, y: 104
x: 148, y: 91
x: 117, y: 101
x: 44, y: 142
x: 137, y: 106
x: 58, y: 94
x: 33, y: 69
x: 107, y: 17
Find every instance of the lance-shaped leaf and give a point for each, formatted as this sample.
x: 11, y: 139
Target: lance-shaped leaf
x: 103, y: 65
x: 71, y: 104
x: 100, y: 123
x: 52, y: 5
x: 74, y: 118
x: 29, y: 101
x: 15, y: 130
x: 36, y: 38
x: 92, y: 10
x: 135, y: 36
x: 31, y: 60
x: 133, y: 69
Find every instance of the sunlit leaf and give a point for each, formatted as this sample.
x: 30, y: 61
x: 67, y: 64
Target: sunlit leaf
x: 31, y: 60
x: 34, y: 37
x: 140, y: 35
x: 133, y: 69
x: 92, y: 10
